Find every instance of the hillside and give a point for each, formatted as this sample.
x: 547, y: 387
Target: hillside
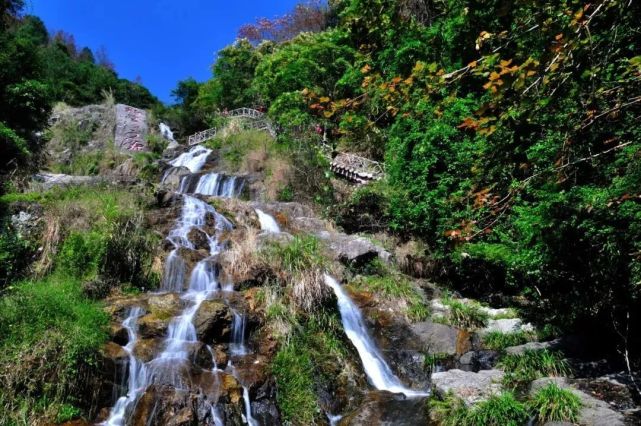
x: 375, y: 212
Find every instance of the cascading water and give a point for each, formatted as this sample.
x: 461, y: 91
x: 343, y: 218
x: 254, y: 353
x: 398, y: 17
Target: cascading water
x: 194, y: 159
x: 166, y: 132
x: 172, y: 365
x: 249, y: 417
x: 136, y: 371
x: 237, y: 345
x: 267, y: 222
x: 377, y: 370
x: 212, y: 184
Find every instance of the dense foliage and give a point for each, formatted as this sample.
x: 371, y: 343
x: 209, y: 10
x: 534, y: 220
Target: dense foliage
x: 38, y: 69
x: 508, y: 129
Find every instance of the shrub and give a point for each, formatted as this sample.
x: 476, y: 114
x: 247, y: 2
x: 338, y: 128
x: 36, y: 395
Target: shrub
x: 521, y: 369
x: 553, y: 404
x: 157, y: 144
x: 14, y: 254
x: 310, y: 360
x: 502, y: 410
x: 301, y: 254
x: 82, y: 253
x: 148, y: 167
x: 67, y: 412
x: 128, y: 254
x: 365, y: 210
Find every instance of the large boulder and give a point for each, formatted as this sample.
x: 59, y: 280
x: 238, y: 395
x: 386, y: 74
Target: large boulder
x: 594, y: 412
x: 131, y: 128
x: 152, y: 326
x: 213, y: 322
x: 533, y: 346
x: 436, y: 338
x: 164, y: 304
x: 353, y: 250
x: 147, y: 349
x: 470, y: 387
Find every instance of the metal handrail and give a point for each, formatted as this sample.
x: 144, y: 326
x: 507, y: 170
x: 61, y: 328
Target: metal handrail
x: 260, y: 123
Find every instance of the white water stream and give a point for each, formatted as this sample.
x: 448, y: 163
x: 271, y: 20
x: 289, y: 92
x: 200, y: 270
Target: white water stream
x: 267, y: 222
x: 166, y: 132
x: 136, y: 371
x: 194, y: 159
x: 377, y: 370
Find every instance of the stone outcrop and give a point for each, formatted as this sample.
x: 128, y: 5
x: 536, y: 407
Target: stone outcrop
x: 172, y: 176
x: 131, y: 128
x: 437, y: 338
x: 213, y: 322
x: 470, y: 387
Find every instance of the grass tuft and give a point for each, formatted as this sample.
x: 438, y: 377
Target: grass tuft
x: 468, y: 316
x: 553, y: 404
x: 498, y: 341
x: 499, y: 410
x: 397, y: 287
x: 521, y: 369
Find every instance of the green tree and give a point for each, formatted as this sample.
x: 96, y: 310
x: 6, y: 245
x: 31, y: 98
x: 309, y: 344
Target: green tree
x: 231, y: 86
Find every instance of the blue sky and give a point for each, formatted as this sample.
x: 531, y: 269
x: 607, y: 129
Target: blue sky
x: 162, y: 41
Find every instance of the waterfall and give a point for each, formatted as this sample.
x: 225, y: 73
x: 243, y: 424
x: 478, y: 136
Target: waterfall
x: 174, y: 276
x: 194, y: 159
x: 248, y: 408
x: 237, y: 345
x: 172, y: 365
x: 379, y: 373
x: 249, y: 417
x: 267, y: 222
x: 212, y: 184
x: 136, y: 371
x: 166, y: 132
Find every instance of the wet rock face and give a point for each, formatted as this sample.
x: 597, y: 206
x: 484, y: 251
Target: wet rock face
x: 213, y: 322
x: 112, y: 360
x: 172, y: 177
x: 264, y: 406
x: 199, y: 239
x: 151, y: 326
x: 165, y: 405
x: 387, y: 409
